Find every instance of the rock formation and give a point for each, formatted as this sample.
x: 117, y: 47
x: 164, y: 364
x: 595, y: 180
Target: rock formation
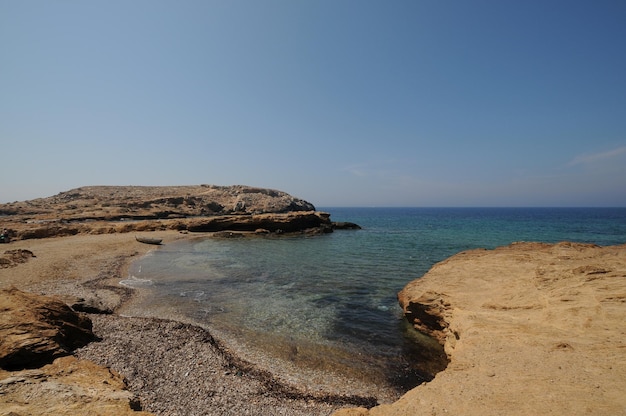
x: 11, y: 258
x: 111, y: 203
x: 289, y: 222
x: 67, y: 387
x: 37, y: 377
x: 530, y: 329
x: 37, y: 329
x: 202, y: 208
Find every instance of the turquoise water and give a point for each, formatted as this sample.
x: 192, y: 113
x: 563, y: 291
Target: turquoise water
x: 329, y: 301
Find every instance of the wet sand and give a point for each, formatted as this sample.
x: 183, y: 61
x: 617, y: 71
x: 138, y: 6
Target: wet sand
x: 175, y: 368
x: 529, y: 329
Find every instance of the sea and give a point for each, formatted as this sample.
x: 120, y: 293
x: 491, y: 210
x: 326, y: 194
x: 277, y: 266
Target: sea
x: 328, y: 303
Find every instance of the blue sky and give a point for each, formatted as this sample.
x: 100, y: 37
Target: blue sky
x: 342, y: 103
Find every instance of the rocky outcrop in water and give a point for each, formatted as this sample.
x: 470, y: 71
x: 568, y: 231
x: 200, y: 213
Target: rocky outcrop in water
x: 290, y: 222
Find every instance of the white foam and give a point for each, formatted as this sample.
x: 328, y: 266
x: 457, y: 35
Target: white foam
x: 133, y: 281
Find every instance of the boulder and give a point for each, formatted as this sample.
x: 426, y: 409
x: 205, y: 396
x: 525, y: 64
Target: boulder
x: 12, y: 258
x: 67, y: 387
x: 36, y: 329
x: 344, y: 225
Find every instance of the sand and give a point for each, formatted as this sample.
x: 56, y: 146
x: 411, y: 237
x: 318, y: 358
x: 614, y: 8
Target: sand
x: 174, y: 368
x: 530, y: 329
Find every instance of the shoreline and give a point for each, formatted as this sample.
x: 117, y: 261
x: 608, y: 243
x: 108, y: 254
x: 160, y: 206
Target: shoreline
x: 530, y: 329
x: 528, y: 320
x: 298, y: 362
x: 90, y: 267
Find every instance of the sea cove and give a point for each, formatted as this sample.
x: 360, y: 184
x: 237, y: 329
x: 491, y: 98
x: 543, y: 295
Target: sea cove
x: 309, y: 322
x: 307, y: 306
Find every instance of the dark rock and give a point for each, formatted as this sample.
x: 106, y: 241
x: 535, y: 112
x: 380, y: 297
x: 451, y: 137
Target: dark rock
x: 228, y: 234
x: 289, y: 222
x: 342, y: 225
x: 92, y: 305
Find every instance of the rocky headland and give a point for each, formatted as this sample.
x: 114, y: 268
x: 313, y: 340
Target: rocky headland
x: 64, y: 350
x: 527, y: 329
x: 197, y: 208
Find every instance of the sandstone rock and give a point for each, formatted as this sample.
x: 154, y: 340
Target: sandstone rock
x: 530, y: 329
x: 154, y: 202
x: 111, y: 209
x: 427, y: 312
x: 36, y: 329
x: 67, y: 387
x: 356, y: 411
x: 12, y: 258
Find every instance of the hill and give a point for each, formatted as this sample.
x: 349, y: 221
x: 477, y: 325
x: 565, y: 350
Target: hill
x: 195, y: 208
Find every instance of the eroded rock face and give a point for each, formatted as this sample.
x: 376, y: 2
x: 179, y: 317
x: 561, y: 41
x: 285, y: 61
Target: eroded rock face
x: 530, y: 329
x: 427, y: 313
x: 67, y: 387
x: 36, y: 329
x: 290, y: 222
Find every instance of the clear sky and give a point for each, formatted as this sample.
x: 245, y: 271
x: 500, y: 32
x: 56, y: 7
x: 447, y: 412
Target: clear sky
x: 339, y: 102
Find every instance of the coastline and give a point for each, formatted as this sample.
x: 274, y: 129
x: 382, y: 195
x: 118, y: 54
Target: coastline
x: 534, y: 327
x: 530, y: 329
x: 151, y: 353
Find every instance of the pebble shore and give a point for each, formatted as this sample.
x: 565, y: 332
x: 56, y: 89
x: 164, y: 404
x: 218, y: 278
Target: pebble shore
x: 180, y: 369
x: 175, y: 368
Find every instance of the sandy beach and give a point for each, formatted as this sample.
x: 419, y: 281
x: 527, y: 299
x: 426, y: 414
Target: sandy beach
x: 529, y: 329
x: 173, y: 368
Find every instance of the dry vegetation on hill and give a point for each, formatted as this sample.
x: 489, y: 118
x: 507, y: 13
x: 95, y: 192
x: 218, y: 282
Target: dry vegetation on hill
x: 155, y: 202
x: 195, y: 208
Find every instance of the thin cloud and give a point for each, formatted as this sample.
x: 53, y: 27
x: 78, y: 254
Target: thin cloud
x: 381, y: 168
x: 356, y: 170
x: 597, y: 157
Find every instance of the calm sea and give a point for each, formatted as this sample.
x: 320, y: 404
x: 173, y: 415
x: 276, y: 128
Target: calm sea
x: 329, y: 302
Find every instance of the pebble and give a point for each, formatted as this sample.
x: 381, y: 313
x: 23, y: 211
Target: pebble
x: 148, y: 352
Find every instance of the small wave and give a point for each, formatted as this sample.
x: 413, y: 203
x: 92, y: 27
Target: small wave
x: 136, y: 282
x: 196, y: 295
x: 212, y: 310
